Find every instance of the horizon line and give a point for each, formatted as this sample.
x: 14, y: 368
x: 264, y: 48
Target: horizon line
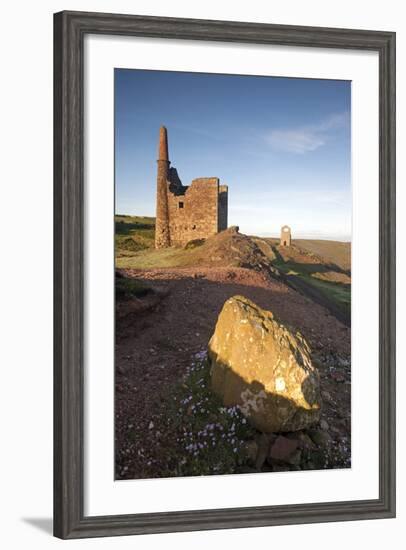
x: 271, y: 235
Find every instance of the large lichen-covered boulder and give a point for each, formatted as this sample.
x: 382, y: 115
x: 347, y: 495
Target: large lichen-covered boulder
x: 259, y: 365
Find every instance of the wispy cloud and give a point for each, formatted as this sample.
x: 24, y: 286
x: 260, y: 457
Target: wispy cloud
x: 308, y: 138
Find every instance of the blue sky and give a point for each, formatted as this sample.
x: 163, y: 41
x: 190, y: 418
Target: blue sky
x: 282, y: 145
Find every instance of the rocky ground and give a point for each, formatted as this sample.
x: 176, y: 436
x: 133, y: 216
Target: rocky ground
x: 161, y: 341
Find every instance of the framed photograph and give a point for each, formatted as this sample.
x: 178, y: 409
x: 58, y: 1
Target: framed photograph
x: 224, y: 229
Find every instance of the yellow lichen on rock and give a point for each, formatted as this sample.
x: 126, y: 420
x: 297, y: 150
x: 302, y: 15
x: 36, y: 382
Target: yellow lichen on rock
x: 258, y: 364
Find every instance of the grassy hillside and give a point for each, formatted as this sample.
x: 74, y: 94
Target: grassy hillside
x: 319, y: 269
x: 318, y: 276
x: 336, y: 252
x: 132, y: 234
x: 226, y: 249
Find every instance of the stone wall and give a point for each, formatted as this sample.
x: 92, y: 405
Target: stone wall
x: 193, y: 210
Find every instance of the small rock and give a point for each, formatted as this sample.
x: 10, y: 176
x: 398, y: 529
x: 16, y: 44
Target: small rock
x: 326, y: 396
x: 319, y: 437
x: 251, y: 450
x: 324, y: 425
x: 295, y: 458
x: 151, y: 425
x: 306, y: 441
x: 283, y: 449
x: 263, y: 449
x: 318, y: 460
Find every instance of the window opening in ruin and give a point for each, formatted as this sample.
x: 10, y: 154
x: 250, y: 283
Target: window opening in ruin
x: 181, y: 204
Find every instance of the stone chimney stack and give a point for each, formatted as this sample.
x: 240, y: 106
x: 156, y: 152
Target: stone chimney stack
x: 163, y: 144
x: 162, y: 236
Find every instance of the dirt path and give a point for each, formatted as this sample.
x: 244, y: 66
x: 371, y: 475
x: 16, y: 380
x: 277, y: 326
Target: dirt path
x: 158, y: 335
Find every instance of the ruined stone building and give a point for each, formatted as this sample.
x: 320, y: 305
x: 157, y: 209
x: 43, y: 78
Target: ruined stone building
x: 286, y: 236
x: 185, y: 213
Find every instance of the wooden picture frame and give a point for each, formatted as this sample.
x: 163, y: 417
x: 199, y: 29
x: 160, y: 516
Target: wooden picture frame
x: 70, y: 29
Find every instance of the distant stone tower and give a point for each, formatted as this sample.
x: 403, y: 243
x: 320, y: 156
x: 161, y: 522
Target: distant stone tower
x: 186, y: 212
x: 285, y: 236
x: 162, y: 235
